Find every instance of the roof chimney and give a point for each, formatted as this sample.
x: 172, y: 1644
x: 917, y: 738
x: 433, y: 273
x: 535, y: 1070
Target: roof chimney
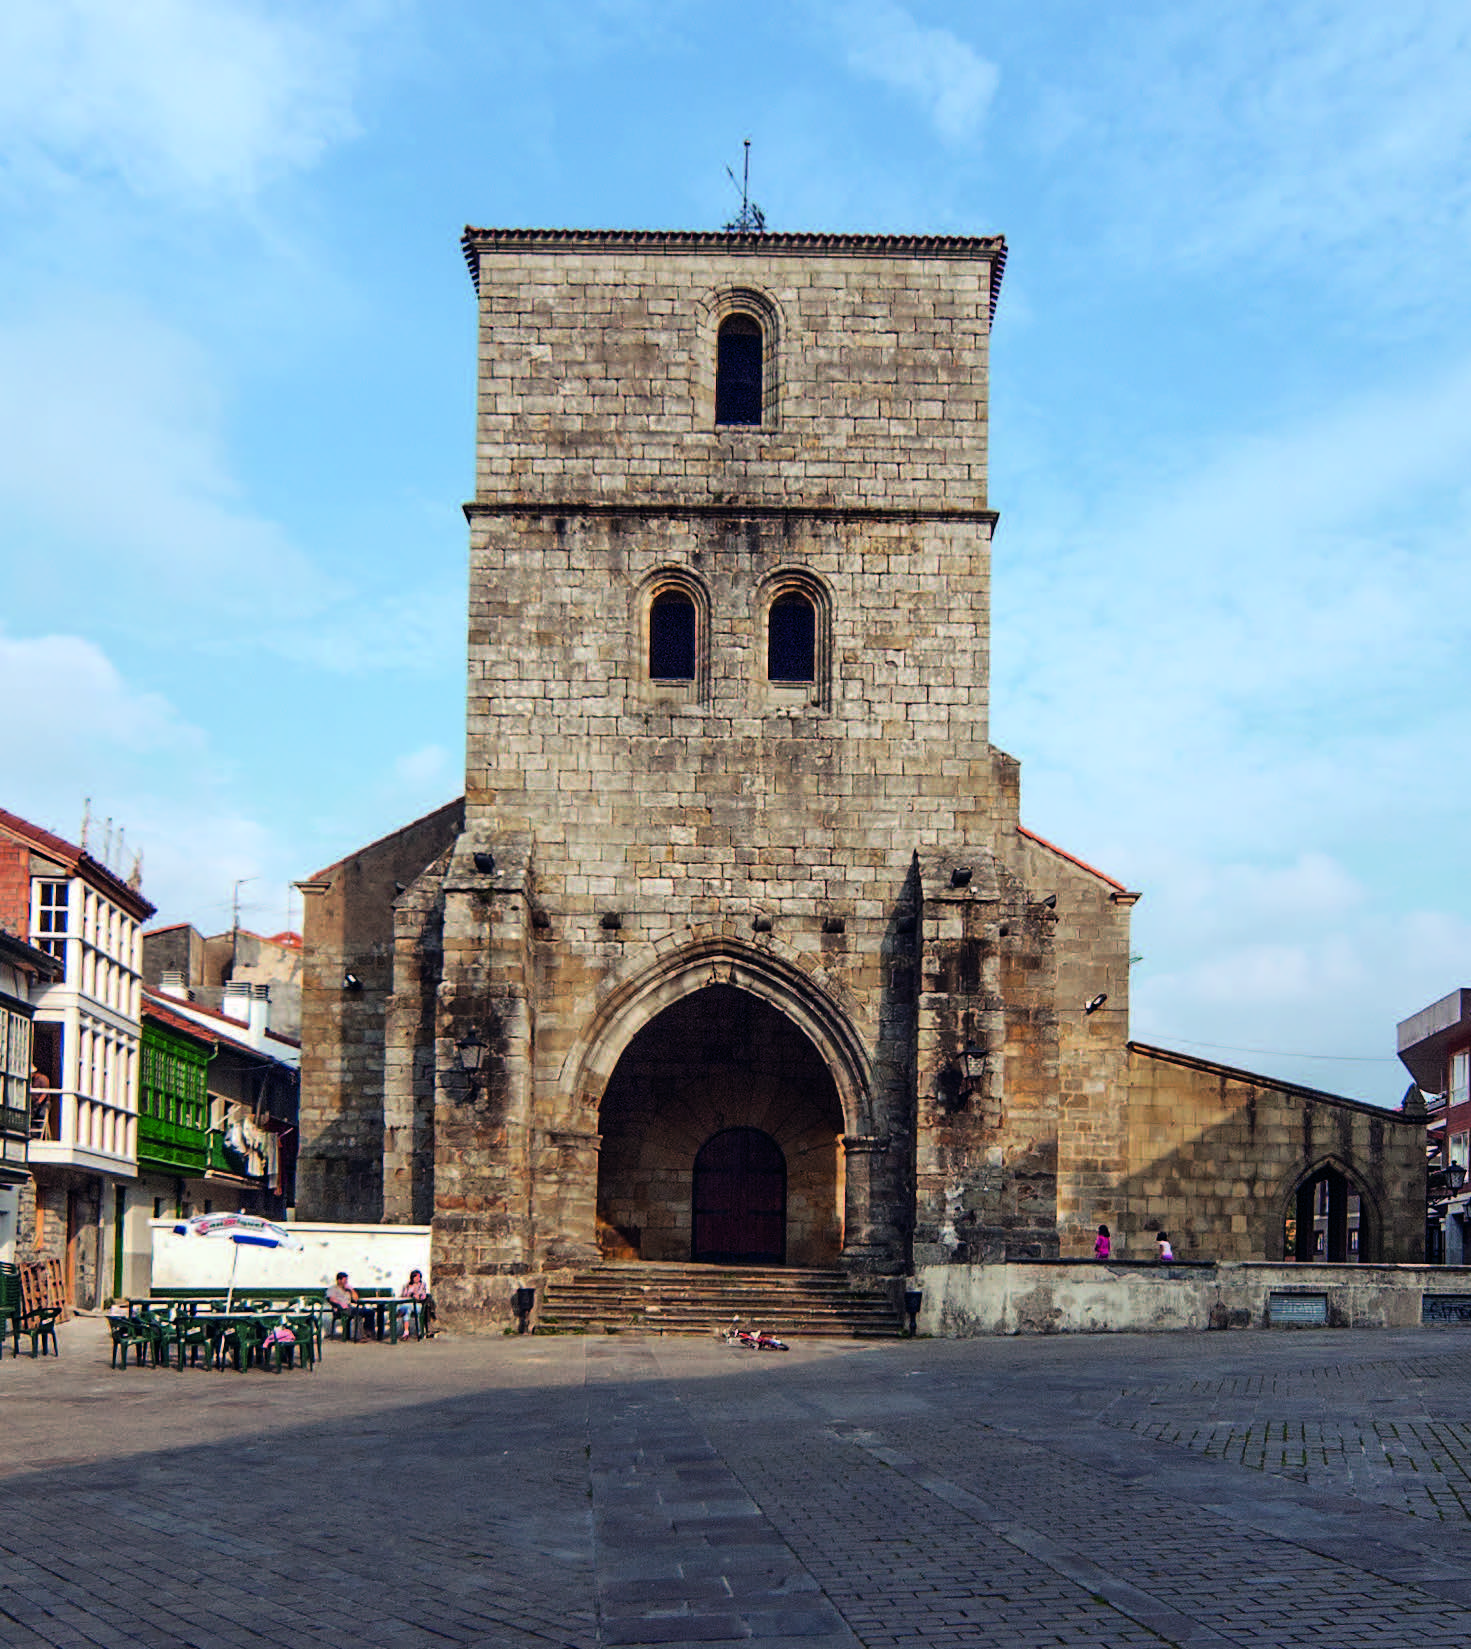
x: 171, y: 983
x: 260, y: 1011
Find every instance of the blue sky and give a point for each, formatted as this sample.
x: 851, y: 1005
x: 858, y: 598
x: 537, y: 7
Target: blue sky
x: 1231, y: 426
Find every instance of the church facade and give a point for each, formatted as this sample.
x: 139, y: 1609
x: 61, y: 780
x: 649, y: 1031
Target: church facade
x: 736, y: 948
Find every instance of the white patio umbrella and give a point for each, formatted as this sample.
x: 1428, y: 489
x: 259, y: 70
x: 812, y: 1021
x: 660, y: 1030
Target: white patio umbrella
x: 244, y: 1230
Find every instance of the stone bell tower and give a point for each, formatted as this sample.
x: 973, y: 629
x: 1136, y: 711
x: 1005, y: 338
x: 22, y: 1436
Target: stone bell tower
x: 740, y: 954
x: 735, y: 950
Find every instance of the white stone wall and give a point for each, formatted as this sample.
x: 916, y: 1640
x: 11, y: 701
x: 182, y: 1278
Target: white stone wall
x: 961, y: 1301
x: 374, y: 1256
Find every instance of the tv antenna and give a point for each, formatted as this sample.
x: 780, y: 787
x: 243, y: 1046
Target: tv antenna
x: 751, y: 219
x: 235, y: 900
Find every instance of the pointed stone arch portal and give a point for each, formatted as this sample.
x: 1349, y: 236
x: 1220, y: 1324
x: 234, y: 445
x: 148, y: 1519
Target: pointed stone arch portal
x: 1331, y: 1216
x: 716, y: 1066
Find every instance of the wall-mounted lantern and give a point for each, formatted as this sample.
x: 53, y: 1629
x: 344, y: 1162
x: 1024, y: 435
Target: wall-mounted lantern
x: 973, y: 1063
x: 957, y: 1082
x: 470, y: 1052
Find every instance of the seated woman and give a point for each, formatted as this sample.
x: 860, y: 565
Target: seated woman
x: 414, y: 1289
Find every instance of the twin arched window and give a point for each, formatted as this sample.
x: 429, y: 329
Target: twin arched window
x: 794, y: 637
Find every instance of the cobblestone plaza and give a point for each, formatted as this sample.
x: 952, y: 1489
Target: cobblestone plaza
x: 1296, y: 1487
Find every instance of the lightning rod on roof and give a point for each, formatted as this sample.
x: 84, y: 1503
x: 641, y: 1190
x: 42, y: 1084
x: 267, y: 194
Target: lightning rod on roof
x: 751, y: 220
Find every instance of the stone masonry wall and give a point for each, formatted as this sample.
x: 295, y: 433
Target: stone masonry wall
x: 661, y: 812
x: 486, y: 1152
x: 1090, y: 940
x: 176, y: 949
x: 409, y: 1049
x: 1215, y: 1155
x: 597, y: 368
x: 728, y: 801
x: 348, y: 927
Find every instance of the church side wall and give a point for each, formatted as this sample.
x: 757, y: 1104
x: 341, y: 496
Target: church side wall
x: 347, y: 927
x: 1214, y: 1156
x: 1091, y: 943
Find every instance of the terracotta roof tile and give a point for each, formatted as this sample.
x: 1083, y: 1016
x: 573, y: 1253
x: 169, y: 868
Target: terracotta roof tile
x: 80, y: 862
x: 1071, y: 858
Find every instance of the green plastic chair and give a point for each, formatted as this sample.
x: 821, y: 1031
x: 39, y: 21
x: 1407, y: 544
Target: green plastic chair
x: 300, y: 1352
x: 128, y: 1334
x: 10, y: 1306
x: 161, y: 1325
x: 310, y: 1313
x: 191, y: 1336
x: 242, y: 1341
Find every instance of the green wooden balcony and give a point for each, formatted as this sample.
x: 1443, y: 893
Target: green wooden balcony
x: 173, y: 1146
x: 225, y: 1161
x: 176, y: 1148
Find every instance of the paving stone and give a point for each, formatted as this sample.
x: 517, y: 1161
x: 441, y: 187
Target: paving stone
x: 1098, y: 1494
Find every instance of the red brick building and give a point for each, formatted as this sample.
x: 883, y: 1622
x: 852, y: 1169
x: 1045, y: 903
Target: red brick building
x: 1435, y: 1046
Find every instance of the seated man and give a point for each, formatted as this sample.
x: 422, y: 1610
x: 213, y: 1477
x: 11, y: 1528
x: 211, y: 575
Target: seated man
x: 345, y: 1304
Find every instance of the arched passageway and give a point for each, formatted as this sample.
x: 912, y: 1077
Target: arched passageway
x: 1330, y: 1218
x: 705, y: 1083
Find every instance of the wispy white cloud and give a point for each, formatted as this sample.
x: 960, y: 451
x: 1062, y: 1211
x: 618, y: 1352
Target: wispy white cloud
x: 90, y: 734
x: 118, y: 461
x: 1275, y: 580
x: 1241, y: 688
x: 116, y: 455
x: 204, y: 103
x: 1320, y: 988
x: 937, y: 70
x: 80, y: 706
x: 1277, y: 135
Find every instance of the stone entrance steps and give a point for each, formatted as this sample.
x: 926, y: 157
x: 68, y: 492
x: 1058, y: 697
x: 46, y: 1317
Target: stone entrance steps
x: 699, y: 1299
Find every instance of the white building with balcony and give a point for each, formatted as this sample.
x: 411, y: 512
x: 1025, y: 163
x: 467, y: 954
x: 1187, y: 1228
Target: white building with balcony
x: 85, y: 1037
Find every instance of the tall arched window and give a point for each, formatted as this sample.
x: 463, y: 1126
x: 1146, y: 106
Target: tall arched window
x: 791, y: 639
x: 738, y: 371
x: 672, y: 637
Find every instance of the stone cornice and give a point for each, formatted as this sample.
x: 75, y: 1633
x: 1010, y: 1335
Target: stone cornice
x: 983, y: 248
x: 667, y: 509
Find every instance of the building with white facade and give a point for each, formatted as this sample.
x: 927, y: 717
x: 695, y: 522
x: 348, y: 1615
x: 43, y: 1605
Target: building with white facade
x: 83, y: 1123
